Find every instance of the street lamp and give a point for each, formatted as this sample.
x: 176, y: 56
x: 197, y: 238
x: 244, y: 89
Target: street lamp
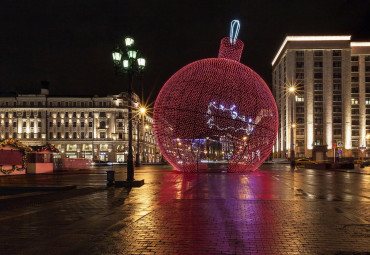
x: 292, y: 124
x: 141, y: 112
x: 125, y: 59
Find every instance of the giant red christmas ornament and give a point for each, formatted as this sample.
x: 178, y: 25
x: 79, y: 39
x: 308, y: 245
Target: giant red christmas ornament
x: 216, y: 113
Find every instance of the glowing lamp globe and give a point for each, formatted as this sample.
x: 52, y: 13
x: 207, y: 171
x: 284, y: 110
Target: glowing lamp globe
x: 216, y: 113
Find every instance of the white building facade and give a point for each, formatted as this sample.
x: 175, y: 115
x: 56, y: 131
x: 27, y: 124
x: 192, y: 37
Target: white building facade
x: 80, y: 127
x: 331, y: 105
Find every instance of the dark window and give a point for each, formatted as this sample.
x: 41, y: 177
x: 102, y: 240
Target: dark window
x: 355, y: 111
x: 14, y: 124
x: 102, y: 134
x: 367, y: 58
x: 337, y: 75
x: 318, y: 120
x: 300, y: 120
x: 318, y: 53
x: 58, y: 135
x: 299, y: 75
x: 102, y: 124
x: 74, y: 124
x: 120, y: 136
x: 367, y: 68
x: 82, y: 124
x: 337, y: 131
x: 318, y: 86
x: 120, y: 124
x: 337, y: 109
x: 354, y: 68
x: 90, y: 114
x: 355, y: 122
x: 354, y: 90
x: 66, y: 124
x: 6, y: 124
x: 337, y: 119
x: 354, y: 79
x: 74, y: 135
x: 300, y: 53
x: 337, y: 86
x: 102, y: 114
x: 74, y: 114
x: 82, y: 135
x: 367, y: 79
x: 299, y: 110
x: 50, y: 135
x: 90, y: 135
x: 317, y: 75
x: 354, y: 58
x: 337, y: 64
x: 66, y: 135
x: 299, y: 64
x: 318, y: 109
x: 337, y: 53
x: 318, y: 64
x: 90, y: 124
x: 50, y: 124
x: 318, y: 98
x: 58, y: 124
x: 355, y: 132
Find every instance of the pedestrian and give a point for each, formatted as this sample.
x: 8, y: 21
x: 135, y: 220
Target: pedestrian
x: 292, y: 165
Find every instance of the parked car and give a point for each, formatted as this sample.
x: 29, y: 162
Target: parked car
x: 304, y: 161
x: 101, y: 163
x: 365, y: 163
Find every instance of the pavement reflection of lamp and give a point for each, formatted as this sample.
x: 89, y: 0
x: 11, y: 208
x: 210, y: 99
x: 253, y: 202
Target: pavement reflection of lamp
x: 126, y: 61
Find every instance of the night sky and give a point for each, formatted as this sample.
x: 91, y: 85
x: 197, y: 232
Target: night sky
x: 69, y: 43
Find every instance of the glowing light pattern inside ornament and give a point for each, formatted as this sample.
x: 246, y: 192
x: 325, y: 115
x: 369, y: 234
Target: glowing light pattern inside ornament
x: 235, y: 24
x: 216, y: 113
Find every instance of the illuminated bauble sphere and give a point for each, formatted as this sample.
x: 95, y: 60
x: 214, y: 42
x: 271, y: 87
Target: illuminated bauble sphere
x: 216, y: 113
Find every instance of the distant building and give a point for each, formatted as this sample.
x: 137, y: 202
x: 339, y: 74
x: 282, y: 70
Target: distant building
x: 332, y: 103
x: 80, y: 127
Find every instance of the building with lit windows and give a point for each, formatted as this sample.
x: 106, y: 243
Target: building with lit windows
x: 331, y: 101
x: 80, y: 127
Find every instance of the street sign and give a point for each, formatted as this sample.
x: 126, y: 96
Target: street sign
x: 363, y: 148
x: 334, y: 145
x: 340, y: 144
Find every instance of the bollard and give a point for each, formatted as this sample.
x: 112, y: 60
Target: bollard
x: 110, y: 177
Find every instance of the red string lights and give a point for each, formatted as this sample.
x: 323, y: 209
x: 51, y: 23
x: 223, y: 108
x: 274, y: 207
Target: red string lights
x: 216, y: 113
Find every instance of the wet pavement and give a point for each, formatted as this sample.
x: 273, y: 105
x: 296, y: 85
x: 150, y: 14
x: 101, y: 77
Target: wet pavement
x: 270, y: 211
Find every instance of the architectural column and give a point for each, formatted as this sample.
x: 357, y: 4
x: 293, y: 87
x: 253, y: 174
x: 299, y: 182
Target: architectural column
x: 328, y: 98
x: 290, y: 78
x: 362, y: 103
x: 346, y: 102
x: 308, y: 102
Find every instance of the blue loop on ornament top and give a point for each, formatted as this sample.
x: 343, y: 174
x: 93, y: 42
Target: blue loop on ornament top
x: 235, y: 25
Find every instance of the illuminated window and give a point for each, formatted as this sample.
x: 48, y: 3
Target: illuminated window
x: 354, y: 101
x: 367, y: 100
x: 299, y: 98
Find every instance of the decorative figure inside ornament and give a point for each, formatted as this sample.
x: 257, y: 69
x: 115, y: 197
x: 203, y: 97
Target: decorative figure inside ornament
x: 216, y: 114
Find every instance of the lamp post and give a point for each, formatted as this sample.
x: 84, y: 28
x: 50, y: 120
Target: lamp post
x: 126, y: 61
x: 292, y: 90
x: 141, y: 113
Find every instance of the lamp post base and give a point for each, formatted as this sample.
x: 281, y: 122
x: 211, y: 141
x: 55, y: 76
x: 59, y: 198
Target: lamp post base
x: 129, y: 184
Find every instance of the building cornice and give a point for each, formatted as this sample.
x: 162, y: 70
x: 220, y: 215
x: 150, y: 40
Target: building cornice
x: 309, y: 38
